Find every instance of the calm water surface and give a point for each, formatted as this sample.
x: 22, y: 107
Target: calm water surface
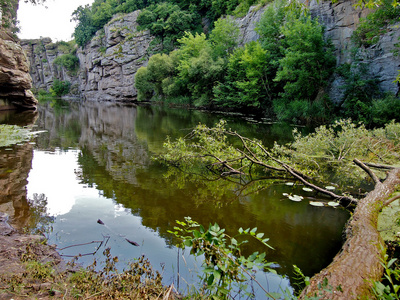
x: 94, y: 162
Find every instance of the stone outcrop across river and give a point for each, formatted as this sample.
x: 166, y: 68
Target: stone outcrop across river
x: 109, y: 62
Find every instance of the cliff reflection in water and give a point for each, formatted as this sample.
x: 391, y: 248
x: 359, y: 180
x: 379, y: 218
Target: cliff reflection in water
x: 15, y: 165
x: 115, y: 145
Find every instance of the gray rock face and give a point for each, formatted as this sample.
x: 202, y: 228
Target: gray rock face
x: 108, y: 64
x: 110, y: 61
x: 41, y: 54
x: 340, y: 20
x: 247, y: 25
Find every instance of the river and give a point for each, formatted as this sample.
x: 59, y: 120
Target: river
x: 94, y: 162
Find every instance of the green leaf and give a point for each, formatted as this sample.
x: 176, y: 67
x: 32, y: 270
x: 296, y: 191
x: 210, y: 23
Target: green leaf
x: 390, y: 263
x: 202, y: 230
x: 196, y: 234
x: 260, y: 235
x: 217, y: 276
x: 210, y: 280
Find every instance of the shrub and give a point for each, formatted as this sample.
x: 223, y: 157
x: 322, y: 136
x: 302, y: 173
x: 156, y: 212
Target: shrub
x: 68, y: 61
x: 385, y: 110
x: 60, y: 88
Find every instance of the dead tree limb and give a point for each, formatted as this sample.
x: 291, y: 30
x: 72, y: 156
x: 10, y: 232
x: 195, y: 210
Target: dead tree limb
x: 367, y: 170
x: 358, y: 264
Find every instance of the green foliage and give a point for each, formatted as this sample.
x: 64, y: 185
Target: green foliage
x: 389, y: 288
x: 326, y: 155
x: 363, y: 101
x: 376, y: 23
x: 85, y: 29
x: 60, y: 88
x: 303, y: 111
x: 248, y: 82
x: 224, y: 266
x: 156, y: 79
x: 308, y: 60
x: 385, y: 109
x: 329, y: 152
x: 69, y: 61
x: 105, y: 282
x: 168, y: 22
x: 224, y: 37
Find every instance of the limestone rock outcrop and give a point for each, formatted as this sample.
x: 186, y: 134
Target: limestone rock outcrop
x: 340, y: 20
x: 42, y: 54
x: 109, y: 62
x: 15, y: 80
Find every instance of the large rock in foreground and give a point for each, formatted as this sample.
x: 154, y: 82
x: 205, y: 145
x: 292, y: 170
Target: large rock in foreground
x: 15, y: 80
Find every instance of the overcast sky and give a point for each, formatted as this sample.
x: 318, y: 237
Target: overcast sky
x: 54, y: 21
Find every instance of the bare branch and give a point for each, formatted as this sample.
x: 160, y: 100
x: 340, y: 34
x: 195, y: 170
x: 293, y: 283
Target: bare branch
x: 379, y: 166
x: 319, y: 189
x: 367, y: 170
x: 387, y: 202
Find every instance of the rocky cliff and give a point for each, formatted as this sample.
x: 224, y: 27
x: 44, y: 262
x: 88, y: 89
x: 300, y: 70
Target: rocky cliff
x: 15, y: 80
x: 340, y: 20
x: 109, y: 62
x: 41, y: 54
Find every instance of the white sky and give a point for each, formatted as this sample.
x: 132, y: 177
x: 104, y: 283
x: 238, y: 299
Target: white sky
x: 54, y: 21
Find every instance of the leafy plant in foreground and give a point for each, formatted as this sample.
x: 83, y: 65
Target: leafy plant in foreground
x: 224, y: 265
x: 391, y: 276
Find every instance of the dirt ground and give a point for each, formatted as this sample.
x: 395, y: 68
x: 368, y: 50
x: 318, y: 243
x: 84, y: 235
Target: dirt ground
x: 15, y: 249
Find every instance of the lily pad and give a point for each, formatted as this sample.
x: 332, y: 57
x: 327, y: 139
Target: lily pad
x: 289, y: 183
x: 330, y: 188
x: 333, y: 204
x: 307, y: 189
x: 296, y: 198
x: 316, y: 203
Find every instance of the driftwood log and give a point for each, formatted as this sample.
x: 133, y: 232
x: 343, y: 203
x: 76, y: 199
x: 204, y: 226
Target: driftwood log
x: 358, y: 264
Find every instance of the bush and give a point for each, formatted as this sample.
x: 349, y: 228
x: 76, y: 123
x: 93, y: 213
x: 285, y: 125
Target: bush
x: 60, y: 88
x: 69, y: 61
x: 303, y: 111
x: 385, y: 110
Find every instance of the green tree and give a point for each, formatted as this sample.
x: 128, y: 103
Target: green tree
x: 197, y: 69
x: 224, y: 37
x: 248, y: 81
x: 167, y: 22
x: 308, y: 60
x: 85, y: 28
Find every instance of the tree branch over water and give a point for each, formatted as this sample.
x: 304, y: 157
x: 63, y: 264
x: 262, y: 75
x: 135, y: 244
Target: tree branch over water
x: 341, y: 154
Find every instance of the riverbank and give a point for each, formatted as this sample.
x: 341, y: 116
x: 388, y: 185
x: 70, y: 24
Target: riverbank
x: 17, y: 252
x: 32, y: 269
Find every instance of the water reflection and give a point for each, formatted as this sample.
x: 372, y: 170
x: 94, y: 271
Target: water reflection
x: 15, y: 165
x: 94, y: 163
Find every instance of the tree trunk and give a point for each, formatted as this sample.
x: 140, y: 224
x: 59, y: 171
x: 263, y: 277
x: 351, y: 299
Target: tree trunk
x: 357, y: 265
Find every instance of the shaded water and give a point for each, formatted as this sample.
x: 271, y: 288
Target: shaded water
x: 94, y: 162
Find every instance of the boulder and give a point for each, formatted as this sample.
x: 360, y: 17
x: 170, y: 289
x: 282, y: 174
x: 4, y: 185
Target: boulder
x: 15, y: 80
